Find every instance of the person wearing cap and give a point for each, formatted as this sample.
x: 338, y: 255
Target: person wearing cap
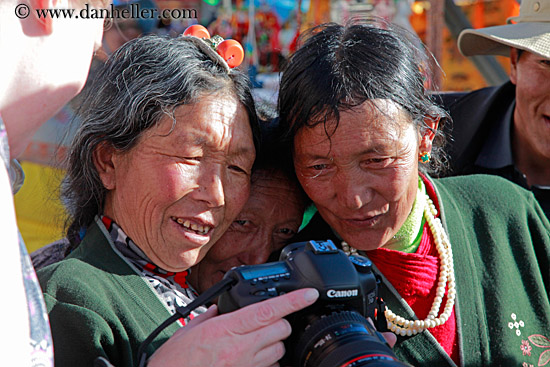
x: 505, y: 130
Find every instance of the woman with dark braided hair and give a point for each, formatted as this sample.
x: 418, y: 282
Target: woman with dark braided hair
x: 464, y: 261
x: 159, y: 168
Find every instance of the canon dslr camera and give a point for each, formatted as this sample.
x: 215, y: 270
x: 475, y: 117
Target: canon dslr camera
x: 333, y: 331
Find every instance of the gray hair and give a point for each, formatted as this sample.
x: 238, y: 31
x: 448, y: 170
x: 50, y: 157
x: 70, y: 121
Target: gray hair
x: 144, y: 80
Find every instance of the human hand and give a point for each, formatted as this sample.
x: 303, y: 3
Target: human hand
x: 390, y: 337
x: 251, y: 336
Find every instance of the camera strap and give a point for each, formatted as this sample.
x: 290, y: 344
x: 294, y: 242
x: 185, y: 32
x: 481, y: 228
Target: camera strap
x: 183, y: 312
x: 381, y: 323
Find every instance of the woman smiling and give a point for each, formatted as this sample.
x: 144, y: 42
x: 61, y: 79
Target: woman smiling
x: 158, y: 170
x: 463, y: 261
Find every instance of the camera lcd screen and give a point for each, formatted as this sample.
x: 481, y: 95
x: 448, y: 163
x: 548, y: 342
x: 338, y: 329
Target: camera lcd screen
x: 264, y: 271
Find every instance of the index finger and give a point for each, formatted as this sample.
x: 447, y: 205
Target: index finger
x: 258, y: 315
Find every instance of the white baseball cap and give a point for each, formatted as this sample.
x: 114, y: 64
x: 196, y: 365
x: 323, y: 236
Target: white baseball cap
x: 529, y: 31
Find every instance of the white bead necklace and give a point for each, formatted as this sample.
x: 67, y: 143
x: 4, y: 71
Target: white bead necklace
x: 401, y: 326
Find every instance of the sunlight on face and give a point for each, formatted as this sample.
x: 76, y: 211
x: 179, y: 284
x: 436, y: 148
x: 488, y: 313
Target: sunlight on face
x: 363, y: 179
x: 531, y: 75
x: 178, y: 191
x: 270, y: 218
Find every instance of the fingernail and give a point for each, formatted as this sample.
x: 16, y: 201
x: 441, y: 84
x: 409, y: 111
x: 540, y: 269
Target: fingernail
x: 311, y: 295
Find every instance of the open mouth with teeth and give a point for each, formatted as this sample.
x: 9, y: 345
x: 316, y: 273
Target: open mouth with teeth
x: 197, y: 228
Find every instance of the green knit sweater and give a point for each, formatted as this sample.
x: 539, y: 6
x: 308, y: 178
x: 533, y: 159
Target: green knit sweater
x: 501, y: 249
x: 100, y: 306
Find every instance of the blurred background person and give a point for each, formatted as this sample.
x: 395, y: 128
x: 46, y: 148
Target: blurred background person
x: 505, y: 130
x: 40, y: 213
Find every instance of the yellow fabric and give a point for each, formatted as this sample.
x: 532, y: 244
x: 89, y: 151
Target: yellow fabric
x: 40, y: 214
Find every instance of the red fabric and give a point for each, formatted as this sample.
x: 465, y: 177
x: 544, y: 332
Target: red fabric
x: 107, y: 222
x: 415, y: 277
x: 179, y: 277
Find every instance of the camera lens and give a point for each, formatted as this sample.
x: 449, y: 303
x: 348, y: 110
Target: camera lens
x: 342, y: 339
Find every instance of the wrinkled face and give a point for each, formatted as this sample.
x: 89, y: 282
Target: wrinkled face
x: 271, y: 216
x: 176, y: 192
x: 531, y: 75
x: 364, y: 179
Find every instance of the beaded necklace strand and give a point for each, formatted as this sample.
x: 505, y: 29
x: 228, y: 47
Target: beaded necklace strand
x: 401, y: 326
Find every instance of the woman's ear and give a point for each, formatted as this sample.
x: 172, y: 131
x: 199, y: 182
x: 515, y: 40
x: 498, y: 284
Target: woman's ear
x: 103, y: 160
x: 428, y: 136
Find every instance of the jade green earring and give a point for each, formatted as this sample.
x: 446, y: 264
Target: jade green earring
x: 424, y: 157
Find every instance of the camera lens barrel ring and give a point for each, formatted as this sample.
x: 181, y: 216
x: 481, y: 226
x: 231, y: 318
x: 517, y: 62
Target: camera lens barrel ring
x: 339, y: 339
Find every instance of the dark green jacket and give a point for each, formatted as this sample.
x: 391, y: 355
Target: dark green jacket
x: 100, y: 306
x: 475, y: 117
x: 501, y: 247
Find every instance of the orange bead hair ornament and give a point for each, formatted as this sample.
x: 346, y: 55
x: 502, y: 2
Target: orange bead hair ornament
x: 197, y: 30
x: 230, y: 50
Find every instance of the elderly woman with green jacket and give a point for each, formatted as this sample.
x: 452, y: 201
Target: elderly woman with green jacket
x: 158, y: 169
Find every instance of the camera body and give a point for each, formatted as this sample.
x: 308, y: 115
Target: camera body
x: 343, y: 282
x: 334, y: 330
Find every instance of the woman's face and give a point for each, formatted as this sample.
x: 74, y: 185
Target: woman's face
x: 364, y: 179
x: 176, y: 192
x: 270, y: 218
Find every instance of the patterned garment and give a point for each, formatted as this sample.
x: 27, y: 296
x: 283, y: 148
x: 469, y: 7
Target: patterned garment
x: 40, y: 339
x: 171, y: 287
